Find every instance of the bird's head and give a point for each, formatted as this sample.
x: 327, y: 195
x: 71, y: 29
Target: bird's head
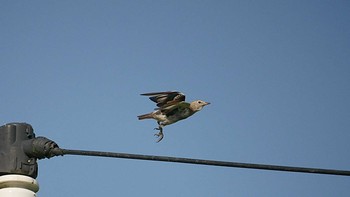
x: 198, y: 105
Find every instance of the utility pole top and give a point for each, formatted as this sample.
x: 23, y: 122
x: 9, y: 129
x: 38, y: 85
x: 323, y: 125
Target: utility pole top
x: 13, y: 159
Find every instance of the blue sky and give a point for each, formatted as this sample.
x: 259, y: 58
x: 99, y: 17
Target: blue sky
x: 276, y: 73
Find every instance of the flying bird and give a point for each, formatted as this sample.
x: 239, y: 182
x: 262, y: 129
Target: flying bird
x: 171, y: 107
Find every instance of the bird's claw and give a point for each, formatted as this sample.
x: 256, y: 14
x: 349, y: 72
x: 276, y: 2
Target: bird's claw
x: 160, y: 134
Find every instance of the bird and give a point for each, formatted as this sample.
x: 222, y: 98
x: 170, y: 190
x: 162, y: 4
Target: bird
x: 171, y: 108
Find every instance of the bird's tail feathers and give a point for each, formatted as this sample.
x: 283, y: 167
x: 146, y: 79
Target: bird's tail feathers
x: 145, y: 116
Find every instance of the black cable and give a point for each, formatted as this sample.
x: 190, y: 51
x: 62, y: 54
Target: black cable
x: 205, y: 162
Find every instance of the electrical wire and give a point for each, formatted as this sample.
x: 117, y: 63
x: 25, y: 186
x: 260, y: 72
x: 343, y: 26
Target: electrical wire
x: 205, y: 162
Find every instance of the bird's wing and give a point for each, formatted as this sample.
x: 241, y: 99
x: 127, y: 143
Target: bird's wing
x: 164, y: 99
x: 174, y: 108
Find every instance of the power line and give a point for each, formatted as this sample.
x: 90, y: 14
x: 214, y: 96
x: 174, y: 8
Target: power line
x: 205, y: 162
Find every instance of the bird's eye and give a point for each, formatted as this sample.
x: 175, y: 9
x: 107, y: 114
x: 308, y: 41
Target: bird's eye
x: 199, y: 102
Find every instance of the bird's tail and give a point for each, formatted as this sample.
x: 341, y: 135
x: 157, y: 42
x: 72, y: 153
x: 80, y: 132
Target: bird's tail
x: 145, y: 116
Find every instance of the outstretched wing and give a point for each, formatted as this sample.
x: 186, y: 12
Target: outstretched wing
x: 169, y: 110
x: 165, y: 98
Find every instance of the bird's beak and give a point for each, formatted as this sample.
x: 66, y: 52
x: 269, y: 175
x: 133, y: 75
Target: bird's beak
x: 206, y: 103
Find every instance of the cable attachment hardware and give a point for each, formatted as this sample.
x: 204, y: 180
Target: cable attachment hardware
x: 41, y: 147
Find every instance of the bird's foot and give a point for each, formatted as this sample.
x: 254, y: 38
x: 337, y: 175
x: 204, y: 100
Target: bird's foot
x: 160, y: 134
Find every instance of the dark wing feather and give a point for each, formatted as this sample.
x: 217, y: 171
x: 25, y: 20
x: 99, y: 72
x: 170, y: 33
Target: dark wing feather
x: 165, y: 98
x: 174, y: 108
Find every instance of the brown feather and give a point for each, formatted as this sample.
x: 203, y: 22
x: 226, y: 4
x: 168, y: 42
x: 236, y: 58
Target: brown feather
x: 165, y: 98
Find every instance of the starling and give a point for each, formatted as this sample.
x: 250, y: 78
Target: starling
x: 171, y: 107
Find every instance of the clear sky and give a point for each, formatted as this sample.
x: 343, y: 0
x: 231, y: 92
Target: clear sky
x: 276, y: 72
